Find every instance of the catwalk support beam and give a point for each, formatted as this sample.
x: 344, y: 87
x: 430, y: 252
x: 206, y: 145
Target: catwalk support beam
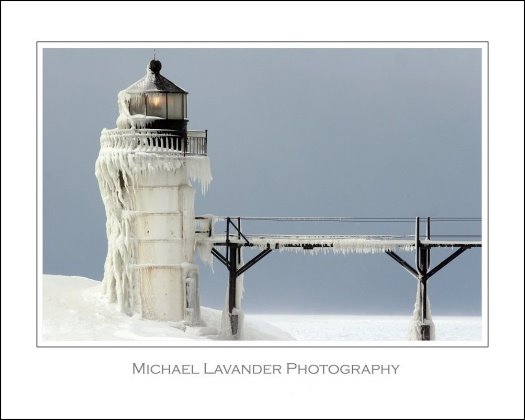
x: 422, y: 272
x: 233, y: 252
x: 232, y: 261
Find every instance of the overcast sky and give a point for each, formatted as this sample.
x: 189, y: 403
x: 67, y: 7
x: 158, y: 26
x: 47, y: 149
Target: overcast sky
x: 292, y: 132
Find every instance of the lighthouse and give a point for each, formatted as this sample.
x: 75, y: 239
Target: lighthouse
x: 146, y: 169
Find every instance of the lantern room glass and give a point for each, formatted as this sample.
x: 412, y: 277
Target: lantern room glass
x: 137, y: 105
x: 176, y: 108
x: 170, y: 106
x: 156, y: 105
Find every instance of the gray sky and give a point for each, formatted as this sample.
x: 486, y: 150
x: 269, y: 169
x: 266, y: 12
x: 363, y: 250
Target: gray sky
x: 292, y: 132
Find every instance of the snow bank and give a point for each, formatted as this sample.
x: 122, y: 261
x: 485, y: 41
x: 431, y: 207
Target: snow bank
x: 75, y: 309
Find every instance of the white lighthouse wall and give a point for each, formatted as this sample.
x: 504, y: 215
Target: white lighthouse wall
x: 162, y: 292
x: 151, y: 225
x: 149, y: 202
x: 158, y: 199
x: 165, y: 237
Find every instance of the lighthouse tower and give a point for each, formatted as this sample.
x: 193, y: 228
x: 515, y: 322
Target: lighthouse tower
x: 145, y: 170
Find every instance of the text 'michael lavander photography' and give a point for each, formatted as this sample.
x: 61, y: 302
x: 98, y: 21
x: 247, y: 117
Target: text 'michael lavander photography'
x: 289, y: 195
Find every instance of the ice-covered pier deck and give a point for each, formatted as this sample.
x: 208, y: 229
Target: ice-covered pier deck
x: 234, y: 239
x: 339, y: 243
x: 354, y: 243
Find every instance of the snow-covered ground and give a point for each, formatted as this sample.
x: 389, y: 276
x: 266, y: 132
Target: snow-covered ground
x: 370, y: 327
x: 74, y: 309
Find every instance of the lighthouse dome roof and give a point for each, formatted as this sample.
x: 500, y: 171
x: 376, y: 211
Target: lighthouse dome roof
x: 153, y: 81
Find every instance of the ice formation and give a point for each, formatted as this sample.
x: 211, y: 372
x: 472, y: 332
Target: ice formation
x: 149, y: 203
x: 415, y: 325
x: 141, y: 151
x: 226, y: 326
x: 312, y: 244
x: 204, y: 229
x: 332, y: 244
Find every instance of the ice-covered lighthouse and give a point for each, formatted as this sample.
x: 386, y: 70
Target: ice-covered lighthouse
x: 145, y: 171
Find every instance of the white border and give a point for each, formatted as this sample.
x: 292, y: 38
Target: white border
x: 347, y: 45
x: 95, y: 383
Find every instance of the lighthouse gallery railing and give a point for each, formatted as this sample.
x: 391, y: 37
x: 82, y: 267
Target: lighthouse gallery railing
x: 160, y: 141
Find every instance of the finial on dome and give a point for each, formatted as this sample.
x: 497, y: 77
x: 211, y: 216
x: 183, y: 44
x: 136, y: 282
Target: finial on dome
x: 155, y: 66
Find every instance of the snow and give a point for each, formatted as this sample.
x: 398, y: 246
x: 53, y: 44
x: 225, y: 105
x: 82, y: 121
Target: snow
x: 76, y: 309
x: 370, y: 327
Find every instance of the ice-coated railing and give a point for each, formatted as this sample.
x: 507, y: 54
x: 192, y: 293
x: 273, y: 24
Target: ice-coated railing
x: 207, y: 237
x: 156, y: 141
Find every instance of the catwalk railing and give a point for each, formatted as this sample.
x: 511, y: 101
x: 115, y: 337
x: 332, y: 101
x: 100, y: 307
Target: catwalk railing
x: 357, y: 241
x: 156, y: 141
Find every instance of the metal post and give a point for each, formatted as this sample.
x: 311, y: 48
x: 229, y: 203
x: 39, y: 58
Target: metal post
x: 422, y: 264
x: 428, y: 238
x: 418, y: 246
x: 239, y: 227
x: 425, y: 258
x: 425, y: 332
x: 228, y: 238
x: 423, y: 280
x: 234, y: 318
x: 424, y: 299
x: 422, y: 271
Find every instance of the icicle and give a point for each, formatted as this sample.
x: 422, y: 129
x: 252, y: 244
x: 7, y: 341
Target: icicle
x: 124, y: 159
x: 415, y: 324
x: 204, y: 246
x: 192, y: 316
x: 225, y: 332
x: 326, y: 244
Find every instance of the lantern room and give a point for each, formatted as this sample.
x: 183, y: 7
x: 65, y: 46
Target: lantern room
x: 153, y: 102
